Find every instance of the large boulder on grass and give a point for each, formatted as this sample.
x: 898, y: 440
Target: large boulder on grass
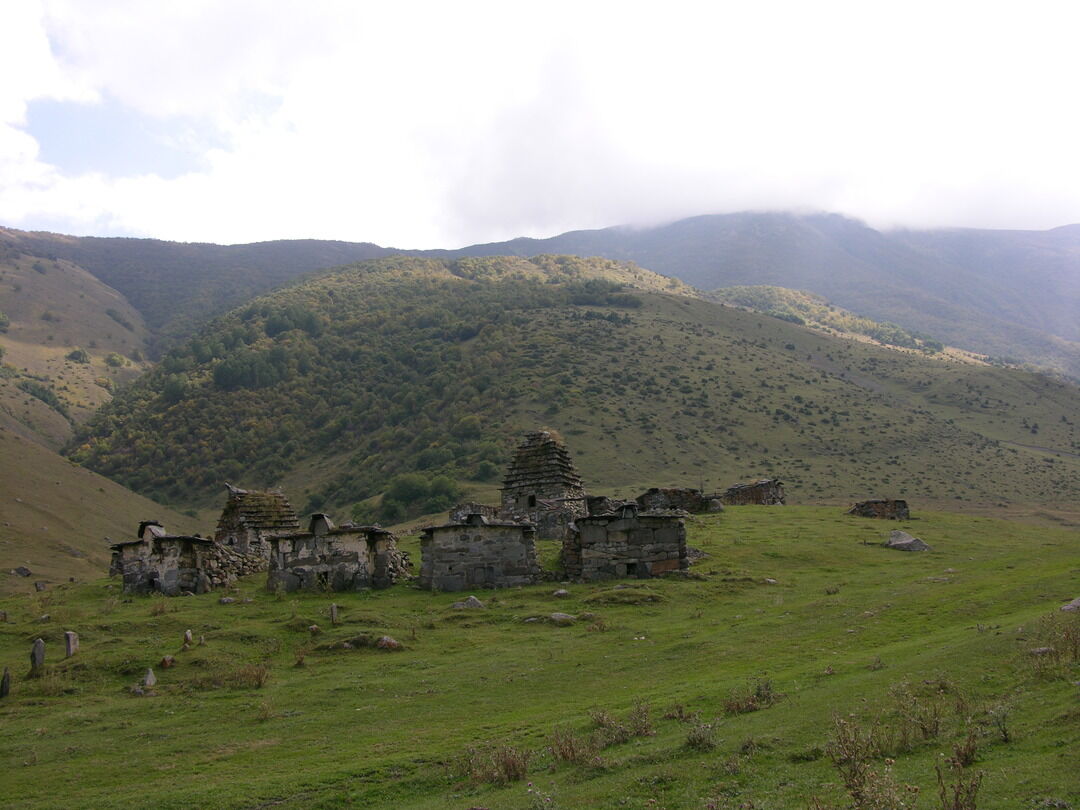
x: 902, y: 541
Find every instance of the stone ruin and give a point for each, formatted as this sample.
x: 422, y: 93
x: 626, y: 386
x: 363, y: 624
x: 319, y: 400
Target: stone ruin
x: 625, y: 543
x: 884, y: 509
x: 765, y: 492
x: 476, y: 553
x: 331, y: 558
x: 250, y: 518
x: 462, y: 511
x: 542, y: 486
x: 174, y: 564
x: 661, y: 499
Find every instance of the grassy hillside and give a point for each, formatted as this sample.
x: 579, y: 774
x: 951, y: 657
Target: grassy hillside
x: 178, y: 285
x: 55, y: 515
x: 337, y: 386
x: 66, y: 341
x: 1009, y: 294
x: 641, y: 698
x: 807, y: 308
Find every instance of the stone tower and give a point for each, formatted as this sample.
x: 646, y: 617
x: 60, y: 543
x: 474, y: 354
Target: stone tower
x: 543, y: 486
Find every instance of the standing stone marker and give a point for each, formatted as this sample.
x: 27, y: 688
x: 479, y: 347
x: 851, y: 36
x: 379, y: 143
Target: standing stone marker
x: 71, y: 643
x: 37, y: 656
x: 3, y: 617
x: 149, y: 679
x: 5, y: 684
x: 333, y: 614
x: 187, y: 637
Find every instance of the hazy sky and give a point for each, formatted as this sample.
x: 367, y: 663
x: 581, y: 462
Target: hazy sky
x: 443, y: 124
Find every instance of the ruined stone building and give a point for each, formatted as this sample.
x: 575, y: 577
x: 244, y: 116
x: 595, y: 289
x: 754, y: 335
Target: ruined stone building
x: 477, y: 553
x: 657, y: 499
x: 331, y: 558
x: 542, y: 485
x: 250, y: 518
x: 173, y: 564
x: 624, y: 543
x: 766, y: 492
x: 462, y: 511
x: 885, y: 509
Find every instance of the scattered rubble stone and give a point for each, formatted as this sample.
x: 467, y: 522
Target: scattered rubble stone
x: 389, y: 643
x: 562, y: 619
x: 882, y: 509
x: 1040, y: 651
x: 22, y: 571
x: 167, y: 662
x: 471, y: 603
x: 562, y: 593
x: 1073, y: 605
x: 226, y: 600
x: 40, y: 586
x: 314, y: 629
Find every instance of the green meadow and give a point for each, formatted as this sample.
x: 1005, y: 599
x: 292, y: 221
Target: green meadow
x: 718, y: 690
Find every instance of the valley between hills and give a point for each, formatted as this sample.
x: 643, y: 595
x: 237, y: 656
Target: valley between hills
x: 139, y: 377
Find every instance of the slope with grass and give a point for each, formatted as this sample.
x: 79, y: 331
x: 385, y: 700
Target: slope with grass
x: 66, y: 342
x: 1009, y: 294
x: 179, y: 285
x: 718, y: 691
x: 55, y: 516
x: 336, y: 386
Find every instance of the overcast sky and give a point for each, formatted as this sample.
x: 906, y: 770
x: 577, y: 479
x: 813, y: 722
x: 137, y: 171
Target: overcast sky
x: 443, y: 124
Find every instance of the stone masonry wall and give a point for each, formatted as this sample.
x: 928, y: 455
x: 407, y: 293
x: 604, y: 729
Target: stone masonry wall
x: 342, y: 560
x: 628, y: 544
x: 478, y: 554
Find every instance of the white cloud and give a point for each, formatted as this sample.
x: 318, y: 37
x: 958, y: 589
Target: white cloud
x: 424, y: 124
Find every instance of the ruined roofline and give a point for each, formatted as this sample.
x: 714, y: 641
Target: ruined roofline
x: 139, y: 541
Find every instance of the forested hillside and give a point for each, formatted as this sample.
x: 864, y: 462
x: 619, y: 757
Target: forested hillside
x: 1011, y: 294
x: 179, y: 285
x: 340, y: 385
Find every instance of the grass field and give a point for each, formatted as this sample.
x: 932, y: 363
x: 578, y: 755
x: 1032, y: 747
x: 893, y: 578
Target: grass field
x: 933, y: 645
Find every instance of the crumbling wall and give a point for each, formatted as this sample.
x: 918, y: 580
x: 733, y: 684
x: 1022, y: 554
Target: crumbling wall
x: 462, y: 511
x: 626, y: 544
x: 173, y: 565
x: 766, y: 492
x: 657, y: 499
x: 883, y: 509
x: 344, y: 559
x: 478, y: 553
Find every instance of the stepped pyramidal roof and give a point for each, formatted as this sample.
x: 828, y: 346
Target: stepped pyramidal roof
x: 265, y: 512
x: 542, y: 460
